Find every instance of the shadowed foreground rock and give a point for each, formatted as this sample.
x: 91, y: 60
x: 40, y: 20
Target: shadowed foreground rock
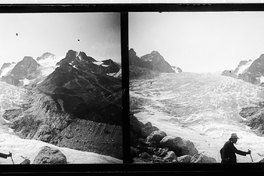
x: 150, y: 145
x: 48, y: 155
x: 179, y: 145
x: 25, y: 162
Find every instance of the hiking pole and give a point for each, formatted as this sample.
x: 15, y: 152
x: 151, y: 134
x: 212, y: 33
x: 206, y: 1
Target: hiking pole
x: 11, y: 158
x: 251, y: 157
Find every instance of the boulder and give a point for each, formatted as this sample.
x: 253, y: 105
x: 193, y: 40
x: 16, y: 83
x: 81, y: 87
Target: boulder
x: 136, y: 126
x: 134, y: 152
x: 261, y: 161
x: 179, y: 145
x: 148, y: 129
x: 25, y: 162
x: 184, y: 159
x: 48, y: 155
x: 155, y: 137
x: 145, y: 155
x: 162, y: 152
x: 157, y: 159
x: 170, y: 156
x: 201, y: 158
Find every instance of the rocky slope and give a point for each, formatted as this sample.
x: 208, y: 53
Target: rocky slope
x: 255, y: 117
x: 78, y: 106
x: 150, y: 145
x: 84, y: 90
x: 255, y: 72
x: 149, y: 65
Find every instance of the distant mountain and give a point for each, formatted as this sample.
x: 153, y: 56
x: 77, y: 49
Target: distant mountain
x: 30, y: 72
x: 25, y: 69
x: 249, y: 70
x: 157, y: 62
x: 149, y: 65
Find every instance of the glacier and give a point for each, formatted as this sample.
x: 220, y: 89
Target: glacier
x: 200, y: 107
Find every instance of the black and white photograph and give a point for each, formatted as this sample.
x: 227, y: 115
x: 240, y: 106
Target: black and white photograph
x: 196, y: 86
x: 60, y: 88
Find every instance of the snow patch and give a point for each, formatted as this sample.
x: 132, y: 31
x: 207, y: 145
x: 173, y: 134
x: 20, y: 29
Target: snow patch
x: 98, y: 63
x: 26, y: 81
x: 8, y: 69
x: 105, y: 65
x: 117, y: 74
x: 75, y: 67
x: 243, y: 68
x: 261, y: 79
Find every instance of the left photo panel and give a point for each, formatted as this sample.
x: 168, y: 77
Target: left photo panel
x: 60, y: 88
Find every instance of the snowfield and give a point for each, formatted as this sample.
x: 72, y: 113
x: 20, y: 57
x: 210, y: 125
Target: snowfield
x: 202, y: 108
x: 6, y: 70
x: 11, y: 97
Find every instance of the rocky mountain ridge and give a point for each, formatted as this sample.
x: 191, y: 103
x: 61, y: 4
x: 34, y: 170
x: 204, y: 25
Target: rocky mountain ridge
x: 31, y: 72
x: 149, y: 65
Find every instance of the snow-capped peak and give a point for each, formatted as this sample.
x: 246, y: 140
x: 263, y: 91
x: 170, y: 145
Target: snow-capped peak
x: 243, y: 67
x: 48, y: 65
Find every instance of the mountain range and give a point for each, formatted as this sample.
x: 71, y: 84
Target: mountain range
x: 149, y: 65
x: 74, y: 101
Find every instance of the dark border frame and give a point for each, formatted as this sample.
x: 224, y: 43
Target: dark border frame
x: 124, y: 9
x: 130, y: 7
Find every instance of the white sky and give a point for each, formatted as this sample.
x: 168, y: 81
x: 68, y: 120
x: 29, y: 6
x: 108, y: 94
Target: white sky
x: 99, y: 35
x: 199, y: 41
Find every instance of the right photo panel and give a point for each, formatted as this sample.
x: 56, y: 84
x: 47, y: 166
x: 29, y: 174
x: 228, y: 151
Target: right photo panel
x: 196, y: 87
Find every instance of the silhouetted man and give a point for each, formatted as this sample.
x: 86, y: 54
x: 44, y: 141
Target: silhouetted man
x: 229, y: 151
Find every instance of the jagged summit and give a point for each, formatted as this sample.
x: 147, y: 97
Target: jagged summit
x: 82, y: 62
x: 74, y: 57
x: 149, y: 65
x: 132, y: 51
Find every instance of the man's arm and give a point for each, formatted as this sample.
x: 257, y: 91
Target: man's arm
x: 239, y: 151
x: 4, y: 155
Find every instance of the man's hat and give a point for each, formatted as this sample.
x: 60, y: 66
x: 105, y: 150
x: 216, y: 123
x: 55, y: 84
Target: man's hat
x: 234, y: 136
